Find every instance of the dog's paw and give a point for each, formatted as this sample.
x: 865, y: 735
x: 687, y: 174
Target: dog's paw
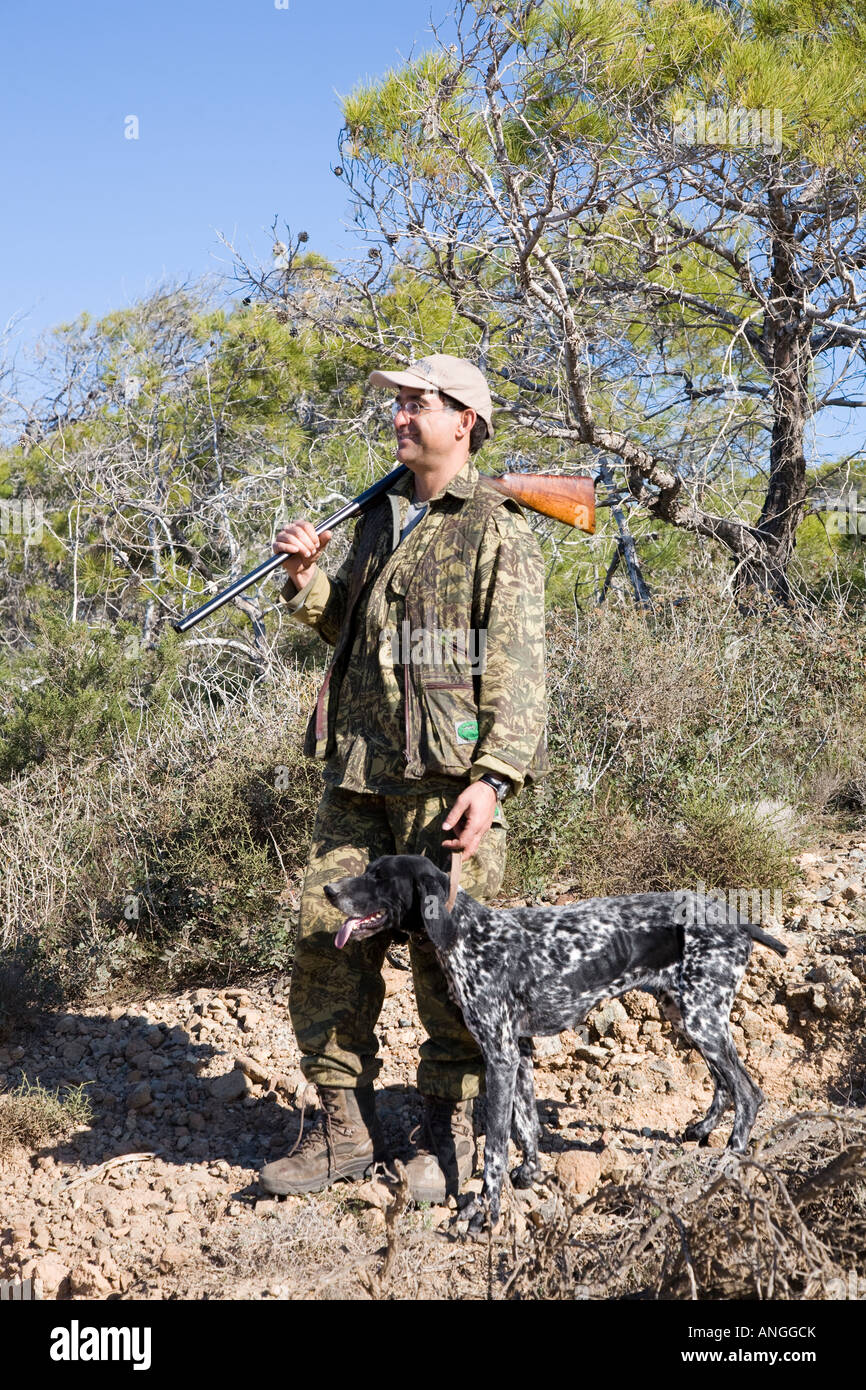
x: 473, y: 1218
x: 694, y: 1134
x: 525, y: 1175
x: 478, y: 1226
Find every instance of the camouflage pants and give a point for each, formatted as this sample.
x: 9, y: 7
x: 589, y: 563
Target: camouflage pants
x: 336, y: 996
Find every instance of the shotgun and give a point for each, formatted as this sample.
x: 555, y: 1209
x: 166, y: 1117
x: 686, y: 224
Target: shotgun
x: 571, y: 500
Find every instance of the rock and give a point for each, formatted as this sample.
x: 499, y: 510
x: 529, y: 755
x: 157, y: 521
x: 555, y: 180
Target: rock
x: 231, y: 1086
x: 372, y: 1221
x: 176, y: 1220
x: 256, y: 1071
x: 109, y: 1267
x: 51, y: 1274
x: 842, y: 1000
x: 799, y: 996
x: 616, y: 1165
x: 753, y: 1025
x: 139, y: 1096
x: 115, y: 1217
x: 546, y: 1047
x: 374, y: 1194
x: 395, y: 980
x: 626, y: 1030
x: 88, y: 1281
x: 172, y: 1257
x: 603, y: 1018
x: 437, y: 1216
x: 19, y: 1236
x: 578, y: 1171
x: 585, y: 1052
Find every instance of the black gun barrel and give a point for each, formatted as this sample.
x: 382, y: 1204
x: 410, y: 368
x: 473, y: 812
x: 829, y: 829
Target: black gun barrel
x: 353, y: 508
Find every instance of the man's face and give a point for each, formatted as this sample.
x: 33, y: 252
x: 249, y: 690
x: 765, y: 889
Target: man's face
x: 429, y: 437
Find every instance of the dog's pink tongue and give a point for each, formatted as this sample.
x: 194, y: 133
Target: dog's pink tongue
x: 346, y: 931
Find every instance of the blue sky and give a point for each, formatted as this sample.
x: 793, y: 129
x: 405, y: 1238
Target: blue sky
x: 238, y: 117
x: 238, y: 120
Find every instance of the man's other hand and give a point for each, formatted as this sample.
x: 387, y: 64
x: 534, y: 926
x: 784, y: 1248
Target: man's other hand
x: 470, y: 817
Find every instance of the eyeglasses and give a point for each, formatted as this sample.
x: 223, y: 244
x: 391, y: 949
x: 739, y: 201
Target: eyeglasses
x: 414, y: 408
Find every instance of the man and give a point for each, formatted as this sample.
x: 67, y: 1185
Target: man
x: 431, y: 712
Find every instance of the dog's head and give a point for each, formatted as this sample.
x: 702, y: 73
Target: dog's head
x: 400, y: 892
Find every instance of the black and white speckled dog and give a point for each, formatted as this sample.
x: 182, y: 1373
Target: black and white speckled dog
x: 522, y: 972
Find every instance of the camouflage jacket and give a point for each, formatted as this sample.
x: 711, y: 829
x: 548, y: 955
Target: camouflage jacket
x: 438, y: 668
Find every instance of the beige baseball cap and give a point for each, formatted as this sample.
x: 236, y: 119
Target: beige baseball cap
x: 456, y: 376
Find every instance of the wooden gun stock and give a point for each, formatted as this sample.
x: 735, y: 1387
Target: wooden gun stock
x: 571, y: 500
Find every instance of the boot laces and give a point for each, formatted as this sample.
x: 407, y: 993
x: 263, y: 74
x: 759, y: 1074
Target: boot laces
x: 319, y: 1129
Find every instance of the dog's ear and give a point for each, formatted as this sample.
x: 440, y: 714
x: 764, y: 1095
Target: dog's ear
x: 431, y: 896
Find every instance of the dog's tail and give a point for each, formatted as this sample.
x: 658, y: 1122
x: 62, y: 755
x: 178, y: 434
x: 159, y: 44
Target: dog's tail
x: 765, y: 939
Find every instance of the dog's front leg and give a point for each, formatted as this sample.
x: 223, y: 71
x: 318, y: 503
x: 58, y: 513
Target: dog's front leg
x: 501, y: 1075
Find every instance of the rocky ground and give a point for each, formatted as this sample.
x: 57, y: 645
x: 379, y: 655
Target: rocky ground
x: 191, y: 1093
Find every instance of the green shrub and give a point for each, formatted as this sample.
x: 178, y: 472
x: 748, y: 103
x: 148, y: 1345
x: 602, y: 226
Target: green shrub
x: 31, y: 1116
x: 81, y: 688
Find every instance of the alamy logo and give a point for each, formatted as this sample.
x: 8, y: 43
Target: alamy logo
x: 21, y: 518
x: 16, y: 1290
x: 729, y: 127
x: 851, y: 1286
x: 436, y: 646
x: 845, y: 516
x: 76, y: 1343
x: 714, y: 906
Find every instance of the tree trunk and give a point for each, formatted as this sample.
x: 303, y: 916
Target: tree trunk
x: 788, y: 342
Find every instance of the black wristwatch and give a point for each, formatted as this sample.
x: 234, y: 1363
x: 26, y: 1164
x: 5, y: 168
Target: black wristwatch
x: 501, y: 785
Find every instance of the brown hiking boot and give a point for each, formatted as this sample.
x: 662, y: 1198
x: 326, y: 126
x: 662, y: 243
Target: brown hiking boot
x: 340, y: 1145
x: 446, y: 1152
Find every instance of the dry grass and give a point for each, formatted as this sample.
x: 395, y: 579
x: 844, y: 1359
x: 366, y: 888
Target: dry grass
x: 787, y: 1223
x: 303, y: 1249
x: 31, y: 1116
